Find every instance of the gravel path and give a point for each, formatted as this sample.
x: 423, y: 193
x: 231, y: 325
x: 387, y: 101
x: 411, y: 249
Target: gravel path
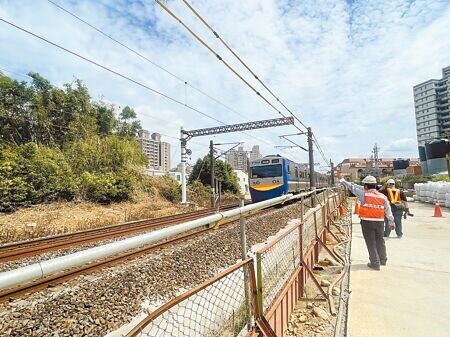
x: 97, y: 304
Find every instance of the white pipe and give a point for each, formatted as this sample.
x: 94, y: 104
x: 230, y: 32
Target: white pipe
x: 42, y: 269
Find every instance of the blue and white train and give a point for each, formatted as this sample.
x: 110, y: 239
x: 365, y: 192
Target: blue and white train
x: 273, y: 176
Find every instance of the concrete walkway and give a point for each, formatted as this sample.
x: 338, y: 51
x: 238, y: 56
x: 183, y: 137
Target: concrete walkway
x: 411, y: 295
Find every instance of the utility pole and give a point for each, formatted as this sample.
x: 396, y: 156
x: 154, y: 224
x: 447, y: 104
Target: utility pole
x: 211, y: 154
x: 183, y: 166
x: 332, y: 173
x: 375, y: 155
x: 312, y: 180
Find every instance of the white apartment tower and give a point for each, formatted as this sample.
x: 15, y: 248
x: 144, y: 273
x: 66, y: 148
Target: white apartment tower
x: 431, y: 102
x: 158, y: 152
x: 237, y: 159
x: 254, y: 153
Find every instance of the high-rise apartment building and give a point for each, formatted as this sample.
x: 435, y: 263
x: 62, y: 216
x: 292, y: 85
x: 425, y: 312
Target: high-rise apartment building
x: 238, y: 159
x: 254, y: 153
x: 431, y: 102
x: 158, y: 152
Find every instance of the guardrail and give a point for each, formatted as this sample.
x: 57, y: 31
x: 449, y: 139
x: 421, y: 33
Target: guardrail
x: 244, y: 300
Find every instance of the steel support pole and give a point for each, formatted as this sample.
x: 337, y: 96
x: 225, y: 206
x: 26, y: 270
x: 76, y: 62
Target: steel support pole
x: 312, y: 180
x: 211, y: 164
x: 332, y: 173
x: 183, y: 167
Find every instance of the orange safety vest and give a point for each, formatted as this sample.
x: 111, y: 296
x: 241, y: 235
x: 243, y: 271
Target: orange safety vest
x: 373, y: 207
x: 394, y: 195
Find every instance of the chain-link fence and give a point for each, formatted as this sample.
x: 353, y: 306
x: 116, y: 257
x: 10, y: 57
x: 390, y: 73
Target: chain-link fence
x: 218, y: 307
x: 275, y: 263
x: 228, y: 304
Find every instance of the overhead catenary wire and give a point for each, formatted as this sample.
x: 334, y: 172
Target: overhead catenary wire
x: 227, y: 65
x: 218, y: 57
x: 142, y: 56
x: 14, y: 73
x: 241, y: 61
x: 120, y: 75
x: 113, y: 71
x: 248, y: 68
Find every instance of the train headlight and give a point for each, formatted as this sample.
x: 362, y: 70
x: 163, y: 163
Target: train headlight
x: 274, y: 181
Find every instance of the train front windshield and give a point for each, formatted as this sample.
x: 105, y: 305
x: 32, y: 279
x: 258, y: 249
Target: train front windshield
x: 267, y: 171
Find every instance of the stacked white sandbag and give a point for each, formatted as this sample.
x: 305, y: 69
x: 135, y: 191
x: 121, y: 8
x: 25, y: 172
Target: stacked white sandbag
x: 434, y: 191
x: 447, y: 195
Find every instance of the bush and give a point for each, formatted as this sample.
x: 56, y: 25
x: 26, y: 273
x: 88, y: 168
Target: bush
x: 106, y: 188
x: 440, y: 177
x: 199, y: 193
x: 30, y: 174
x: 168, y: 188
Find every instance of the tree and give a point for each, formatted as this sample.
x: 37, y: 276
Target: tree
x: 128, y: 125
x: 223, y: 171
x: 106, y: 120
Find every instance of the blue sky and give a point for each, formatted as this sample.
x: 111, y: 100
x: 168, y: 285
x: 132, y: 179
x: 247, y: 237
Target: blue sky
x: 345, y: 68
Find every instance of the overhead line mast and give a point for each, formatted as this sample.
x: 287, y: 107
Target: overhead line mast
x: 187, y: 135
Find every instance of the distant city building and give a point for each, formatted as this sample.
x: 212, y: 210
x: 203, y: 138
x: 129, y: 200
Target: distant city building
x: 431, y: 103
x: 254, y: 153
x: 177, y: 176
x: 157, y: 152
x: 240, y: 159
x: 357, y: 168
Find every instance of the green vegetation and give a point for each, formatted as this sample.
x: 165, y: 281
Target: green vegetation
x: 58, y: 144
x: 223, y: 172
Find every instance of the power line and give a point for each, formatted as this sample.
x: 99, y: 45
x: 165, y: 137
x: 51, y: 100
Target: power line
x: 218, y: 56
x: 241, y: 61
x: 14, y: 73
x: 146, y: 59
x: 226, y: 64
x: 119, y: 74
x: 113, y: 71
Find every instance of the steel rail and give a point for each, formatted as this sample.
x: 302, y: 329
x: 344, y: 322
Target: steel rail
x: 18, y: 250
x: 43, y: 269
x: 59, y: 278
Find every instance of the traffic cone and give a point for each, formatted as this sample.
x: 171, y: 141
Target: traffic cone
x: 356, y: 211
x: 437, y: 210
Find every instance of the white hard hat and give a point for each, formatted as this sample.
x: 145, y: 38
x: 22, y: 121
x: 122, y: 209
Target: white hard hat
x: 369, y: 180
x: 390, y: 181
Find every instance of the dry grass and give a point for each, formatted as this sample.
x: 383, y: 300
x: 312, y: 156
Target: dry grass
x: 58, y: 218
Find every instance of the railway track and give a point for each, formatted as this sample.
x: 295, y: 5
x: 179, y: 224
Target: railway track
x: 19, y: 250
x: 54, y: 280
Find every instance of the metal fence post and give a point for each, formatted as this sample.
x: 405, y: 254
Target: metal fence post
x: 259, y: 282
x: 244, y: 256
x: 302, y: 209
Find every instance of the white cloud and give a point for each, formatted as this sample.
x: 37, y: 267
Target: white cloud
x: 345, y: 68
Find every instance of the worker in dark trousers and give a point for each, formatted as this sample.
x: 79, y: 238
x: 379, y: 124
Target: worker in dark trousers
x: 399, y: 204
x: 374, y: 207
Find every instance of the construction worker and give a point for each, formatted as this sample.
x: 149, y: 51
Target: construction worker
x: 374, y: 208
x: 398, y: 203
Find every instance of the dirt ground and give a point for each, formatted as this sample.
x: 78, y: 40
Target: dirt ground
x: 57, y: 218
x: 311, y: 316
